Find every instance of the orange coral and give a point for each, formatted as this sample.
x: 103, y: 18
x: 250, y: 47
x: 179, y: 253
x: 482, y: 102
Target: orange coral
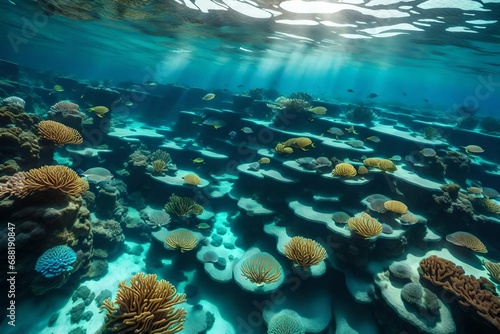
x: 304, y: 252
x: 470, y: 296
x: 182, y: 239
x: 44, y: 178
x: 344, y: 169
x: 146, y: 306
x: 59, y: 133
x: 365, y: 225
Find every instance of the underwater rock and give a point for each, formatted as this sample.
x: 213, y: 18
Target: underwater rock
x: 52, y: 319
x: 81, y: 293
x: 108, y: 235
x: 76, y: 313
x: 104, y: 294
x: 20, y: 145
x: 106, y: 202
x: 457, y: 166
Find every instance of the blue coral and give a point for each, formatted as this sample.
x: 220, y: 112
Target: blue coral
x: 55, y: 261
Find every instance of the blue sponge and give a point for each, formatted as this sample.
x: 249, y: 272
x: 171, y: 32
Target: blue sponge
x: 55, y: 261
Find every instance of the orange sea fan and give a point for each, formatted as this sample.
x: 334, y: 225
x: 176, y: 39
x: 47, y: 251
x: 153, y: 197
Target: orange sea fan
x: 59, y: 133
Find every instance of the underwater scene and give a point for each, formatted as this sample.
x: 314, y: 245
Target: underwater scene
x: 250, y: 166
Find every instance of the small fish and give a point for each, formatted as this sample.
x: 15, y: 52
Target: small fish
x: 351, y: 130
x: 203, y: 226
x: 350, y: 91
x: 99, y: 110
x: 216, y: 123
x: 374, y: 139
x: 371, y: 95
x: 239, y: 86
x: 404, y: 93
x: 246, y: 129
x: 208, y: 97
x: 129, y: 103
x: 426, y: 100
x: 82, y: 96
x: 58, y: 88
x: 318, y: 110
x: 198, y: 161
x: 151, y: 83
x: 233, y: 134
x: 264, y: 160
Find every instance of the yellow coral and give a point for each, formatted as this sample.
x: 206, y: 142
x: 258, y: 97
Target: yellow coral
x: 182, y: 239
x: 304, y: 252
x: 282, y: 149
x: 371, y: 162
x: 192, y: 179
x: 159, y: 166
x: 182, y: 206
x: 467, y: 240
x: 261, y: 268
x: 59, y: 133
x: 146, y: 306
x: 44, y: 178
x: 494, y: 269
x: 387, y: 165
x: 396, y: 207
x: 344, y: 169
x: 365, y: 225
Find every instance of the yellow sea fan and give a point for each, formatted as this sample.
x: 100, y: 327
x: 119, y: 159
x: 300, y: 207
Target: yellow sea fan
x: 191, y: 179
x: 146, y: 306
x: 467, y: 240
x: 182, y: 239
x: 409, y: 218
x: 371, y: 162
x: 396, y: 207
x: 490, y: 206
x: 387, y: 165
x: 365, y: 225
x: 261, y: 268
x: 304, y: 252
x: 59, y: 133
x: 362, y: 170
x: 344, y: 169
x: 493, y: 269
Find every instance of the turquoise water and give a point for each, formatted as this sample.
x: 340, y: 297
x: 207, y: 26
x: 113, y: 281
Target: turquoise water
x: 287, y: 166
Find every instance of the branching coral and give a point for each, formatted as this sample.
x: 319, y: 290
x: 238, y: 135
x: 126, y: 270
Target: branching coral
x: 261, y: 268
x: 365, y: 225
x: 182, y: 239
x: 159, y: 166
x: 146, y: 306
x: 59, y: 133
x: 344, y: 169
x: 467, y: 289
x: 65, y: 108
x: 304, y: 252
x: 44, y: 178
x: 182, y: 206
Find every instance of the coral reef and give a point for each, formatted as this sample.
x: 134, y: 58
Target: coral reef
x: 305, y: 252
x: 182, y: 239
x: 146, y: 306
x: 55, y: 261
x: 360, y: 114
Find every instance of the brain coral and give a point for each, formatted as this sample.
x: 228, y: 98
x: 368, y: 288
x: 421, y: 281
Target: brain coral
x: 285, y: 322
x: 55, y: 261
